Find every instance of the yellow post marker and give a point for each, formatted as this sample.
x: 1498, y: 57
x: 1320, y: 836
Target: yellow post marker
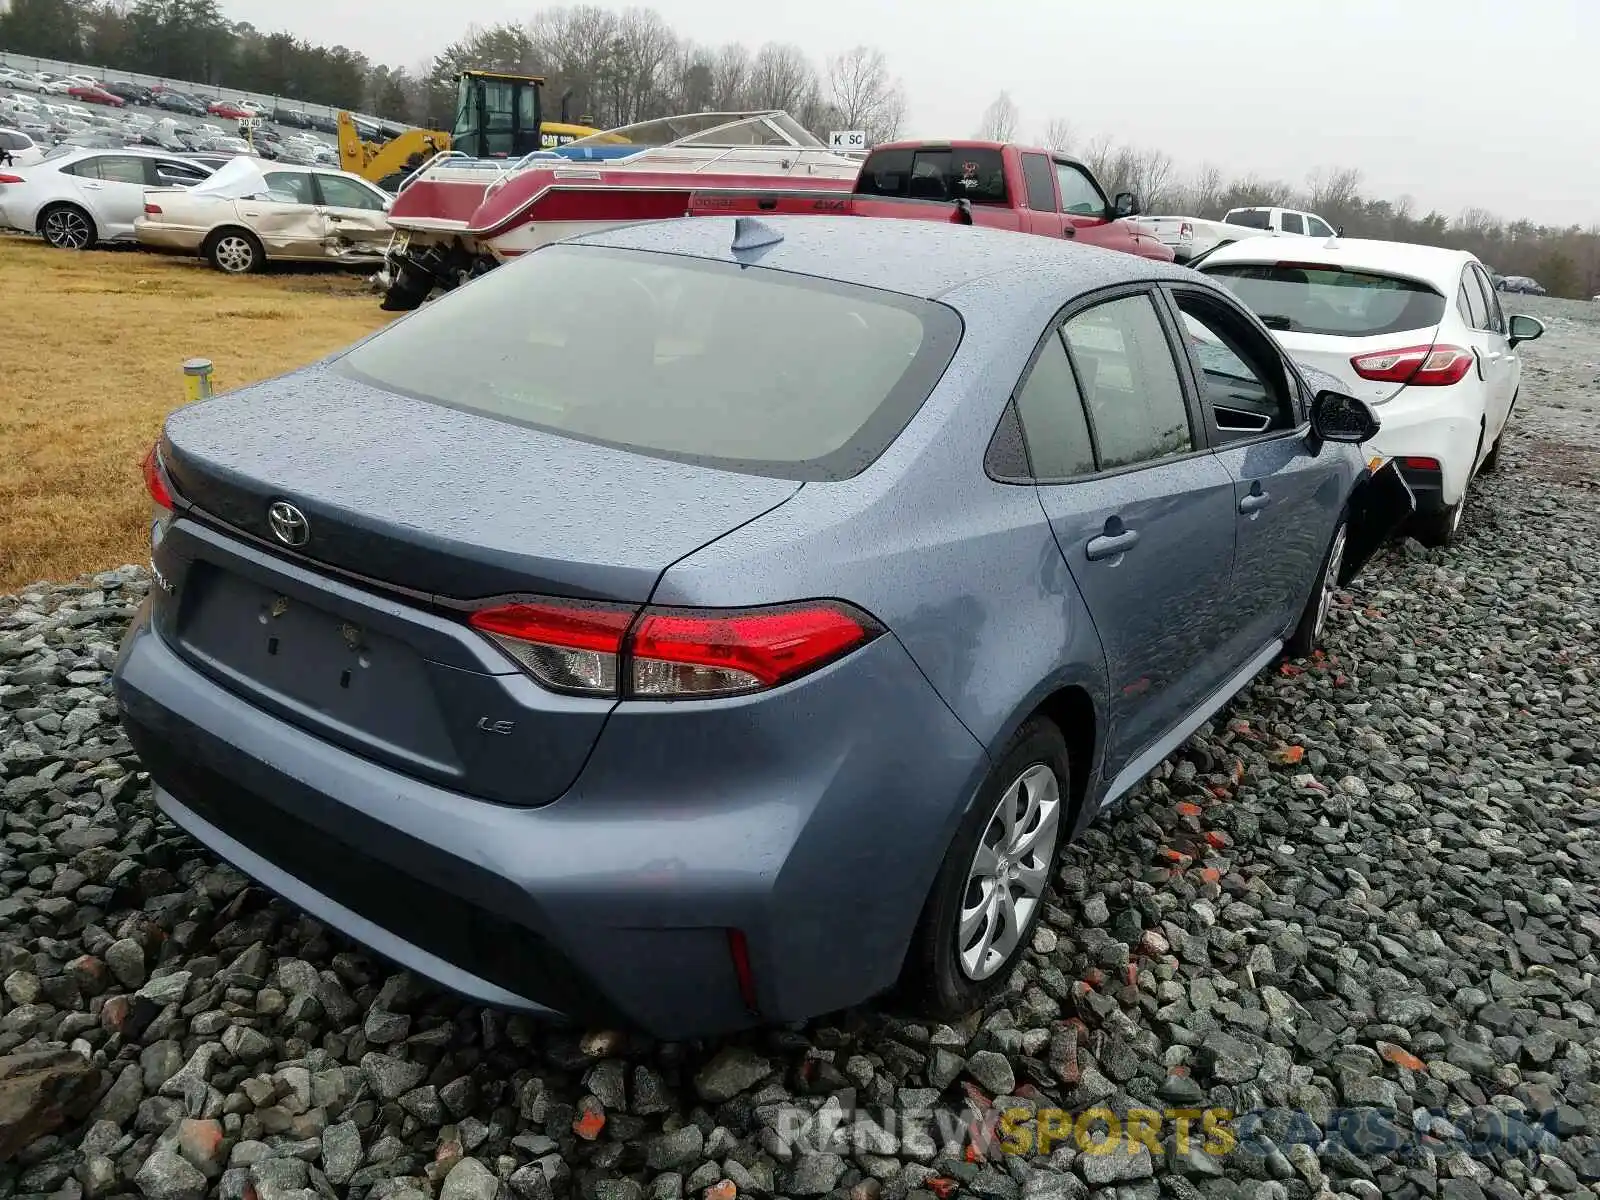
x: 197, y: 379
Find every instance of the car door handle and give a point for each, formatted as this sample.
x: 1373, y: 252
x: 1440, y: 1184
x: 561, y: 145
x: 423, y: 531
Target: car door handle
x: 1109, y: 545
x: 94, y: 187
x: 1254, y: 502
x: 1070, y: 231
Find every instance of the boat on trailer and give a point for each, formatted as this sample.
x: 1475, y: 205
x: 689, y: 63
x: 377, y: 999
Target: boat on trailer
x: 456, y: 217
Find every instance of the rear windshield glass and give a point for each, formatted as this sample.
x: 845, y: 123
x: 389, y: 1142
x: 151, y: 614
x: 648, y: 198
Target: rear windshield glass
x: 1295, y: 298
x: 977, y: 175
x: 1255, y: 218
x: 744, y: 368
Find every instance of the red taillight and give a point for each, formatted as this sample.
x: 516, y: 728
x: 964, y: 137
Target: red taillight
x: 1415, y: 366
x: 668, y: 654
x: 686, y: 654
x: 564, y: 644
x: 12, y: 179
x: 152, y: 210
x: 155, y: 481
x: 1417, y: 463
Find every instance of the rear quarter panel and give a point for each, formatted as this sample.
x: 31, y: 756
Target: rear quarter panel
x: 962, y: 569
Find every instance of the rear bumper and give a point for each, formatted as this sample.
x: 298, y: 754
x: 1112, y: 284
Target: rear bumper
x: 168, y: 237
x: 812, y: 821
x: 1429, y: 429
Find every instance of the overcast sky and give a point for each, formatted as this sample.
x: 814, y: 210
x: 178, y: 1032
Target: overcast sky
x: 1492, y: 103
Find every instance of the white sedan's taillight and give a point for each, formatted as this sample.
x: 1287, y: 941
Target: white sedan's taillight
x: 1415, y: 366
x: 597, y: 649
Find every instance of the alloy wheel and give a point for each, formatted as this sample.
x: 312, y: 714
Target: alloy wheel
x: 235, y: 255
x: 1330, y: 580
x: 1009, y: 872
x: 67, y: 229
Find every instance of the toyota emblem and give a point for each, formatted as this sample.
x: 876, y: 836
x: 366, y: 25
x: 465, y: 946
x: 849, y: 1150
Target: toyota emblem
x: 288, y: 523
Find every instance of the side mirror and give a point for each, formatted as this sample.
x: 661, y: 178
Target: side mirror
x: 1336, y: 417
x: 1126, y: 204
x: 1338, y: 231
x: 1525, y: 329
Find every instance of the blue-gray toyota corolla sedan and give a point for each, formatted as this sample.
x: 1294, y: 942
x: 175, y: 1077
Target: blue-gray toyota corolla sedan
x: 710, y: 623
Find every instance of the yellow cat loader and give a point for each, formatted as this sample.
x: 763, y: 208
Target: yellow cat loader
x: 498, y: 115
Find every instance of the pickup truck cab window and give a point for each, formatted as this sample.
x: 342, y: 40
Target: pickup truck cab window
x: 1317, y: 227
x: 1292, y: 223
x: 1040, y: 181
x: 1250, y: 218
x: 965, y: 173
x: 1079, y: 195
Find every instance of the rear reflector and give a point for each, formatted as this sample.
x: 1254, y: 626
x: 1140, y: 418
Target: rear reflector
x: 1414, y: 463
x: 739, y: 951
x: 12, y: 179
x: 595, y: 649
x: 1415, y: 366
x: 153, y: 210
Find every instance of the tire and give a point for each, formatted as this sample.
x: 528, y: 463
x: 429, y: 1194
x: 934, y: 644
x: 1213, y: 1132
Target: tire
x: 68, y: 227
x: 1033, y: 771
x: 235, y: 252
x: 1314, y: 619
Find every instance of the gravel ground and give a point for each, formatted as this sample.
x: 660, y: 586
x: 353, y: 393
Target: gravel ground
x: 1360, y: 912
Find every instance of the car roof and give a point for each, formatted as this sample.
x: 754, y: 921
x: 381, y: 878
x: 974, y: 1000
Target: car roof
x: 1434, y: 265
x: 928, y: 259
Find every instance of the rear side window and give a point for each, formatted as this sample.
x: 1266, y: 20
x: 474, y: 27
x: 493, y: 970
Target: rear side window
x: 1308, y: 298
x: 1293, y: 224
x: 290, y: 187
x: 977, y: 175
x: 1251, y: 218
x: 1470, y: 302
x: 1129, y: 379
x: 743, y: 368
x: 1053, y: 422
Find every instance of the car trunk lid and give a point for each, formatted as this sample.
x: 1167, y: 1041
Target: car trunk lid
x: 440, y: 501
x: 413, y: 513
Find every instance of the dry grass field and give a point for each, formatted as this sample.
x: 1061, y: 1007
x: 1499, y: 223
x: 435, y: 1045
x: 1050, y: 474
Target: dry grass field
x: 93, y: 346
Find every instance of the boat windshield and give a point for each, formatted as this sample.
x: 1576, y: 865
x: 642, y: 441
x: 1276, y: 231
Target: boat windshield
x: 707, y: 129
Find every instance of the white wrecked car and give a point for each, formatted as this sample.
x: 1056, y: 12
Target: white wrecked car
x: 250, y: 213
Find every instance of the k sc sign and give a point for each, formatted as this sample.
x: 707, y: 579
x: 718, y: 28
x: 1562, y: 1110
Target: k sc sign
x: 847, y: 139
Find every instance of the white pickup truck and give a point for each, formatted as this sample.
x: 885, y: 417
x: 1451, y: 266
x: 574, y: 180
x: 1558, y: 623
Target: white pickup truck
x: 1190, y: 237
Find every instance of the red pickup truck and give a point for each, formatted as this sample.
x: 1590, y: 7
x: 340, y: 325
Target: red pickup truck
x: 978, y: 183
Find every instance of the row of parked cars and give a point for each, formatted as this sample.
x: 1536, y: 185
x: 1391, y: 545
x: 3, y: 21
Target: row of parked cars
x: 117, y: 93
x: 237, y: 211
x: 34, y: 123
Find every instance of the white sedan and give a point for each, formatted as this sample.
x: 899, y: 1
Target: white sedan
x: 79, y: 198
x: 1416, y: 331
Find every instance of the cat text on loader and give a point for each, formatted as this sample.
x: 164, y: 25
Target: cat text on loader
x: 498, y: 115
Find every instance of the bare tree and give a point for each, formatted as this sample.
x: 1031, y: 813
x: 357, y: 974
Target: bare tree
x: 782, y: 77
x: 1334, y: 193
x: 1058, y: 134
x: 862, y: 94
x: 730, y: 78
x: 999, y: 122
x: 643, y: 47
